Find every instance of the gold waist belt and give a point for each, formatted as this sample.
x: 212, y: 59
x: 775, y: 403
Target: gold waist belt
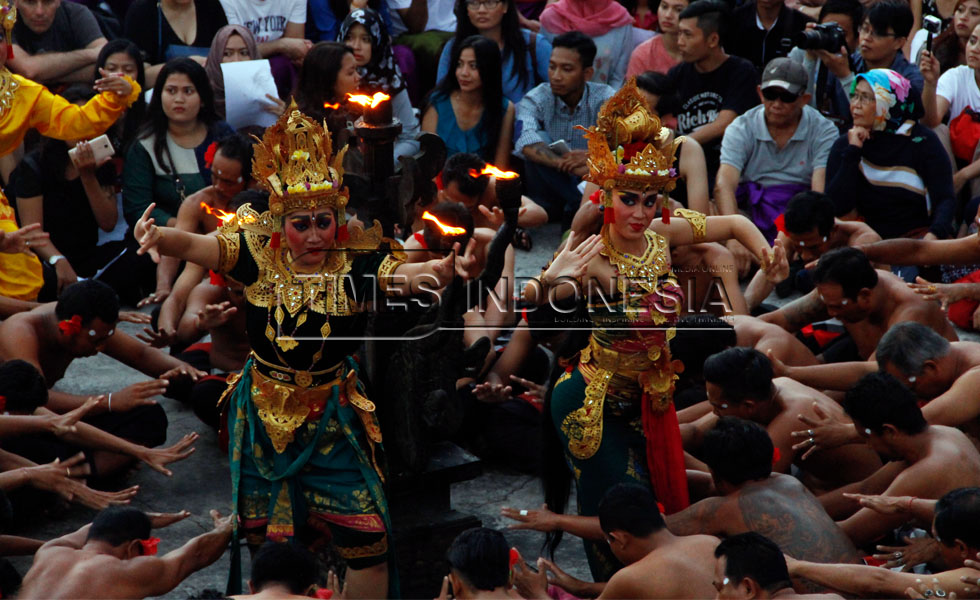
x: 305, y: 379
x: 652, y: 371
x: 283, y: 407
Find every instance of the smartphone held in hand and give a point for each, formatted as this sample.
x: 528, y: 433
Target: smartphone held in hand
x: 101, y: 148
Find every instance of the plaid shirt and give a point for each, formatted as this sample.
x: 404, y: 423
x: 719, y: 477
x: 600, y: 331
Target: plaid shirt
x: 544, y: 117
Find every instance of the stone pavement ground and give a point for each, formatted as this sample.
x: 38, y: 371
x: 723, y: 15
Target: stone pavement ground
x: 201, y: 482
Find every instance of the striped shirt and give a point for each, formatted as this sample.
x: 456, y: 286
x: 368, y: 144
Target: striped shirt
x: 544, y: 117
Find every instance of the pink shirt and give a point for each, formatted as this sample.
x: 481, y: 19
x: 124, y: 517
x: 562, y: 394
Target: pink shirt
x: 650, y: 55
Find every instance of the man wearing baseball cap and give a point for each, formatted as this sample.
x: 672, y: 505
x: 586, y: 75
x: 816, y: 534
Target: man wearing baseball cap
x: 773, y: 151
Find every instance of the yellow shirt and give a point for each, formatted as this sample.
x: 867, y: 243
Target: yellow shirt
x: 24, y: 105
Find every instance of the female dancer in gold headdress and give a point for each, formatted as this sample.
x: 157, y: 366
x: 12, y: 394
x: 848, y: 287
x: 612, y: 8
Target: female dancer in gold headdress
x: 25, y: 105
x: 613, y: 410
x: 304, y: 441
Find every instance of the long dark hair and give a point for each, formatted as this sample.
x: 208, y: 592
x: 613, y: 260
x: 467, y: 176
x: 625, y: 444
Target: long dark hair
x: 488, y: 65
x: 54, y: 153
x: 318, y: 79
x: 157, y: 121
x: 510, y: 30
x: 946, y: 45
x: 126, y: 131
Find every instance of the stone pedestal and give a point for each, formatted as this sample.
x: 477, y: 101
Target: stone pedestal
x: 423, y: 519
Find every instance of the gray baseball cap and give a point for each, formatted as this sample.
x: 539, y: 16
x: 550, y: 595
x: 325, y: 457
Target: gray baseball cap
x: 786, y: 74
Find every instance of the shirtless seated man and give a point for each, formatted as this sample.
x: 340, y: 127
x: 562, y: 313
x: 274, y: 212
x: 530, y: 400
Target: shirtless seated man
x: 215, y: 307
x: 231, y: 173
x: 434, y: 239
x: 83, y: 323
x: 954, y: 521
x: 866, y: 300
x: 926, y: 461
x: 114, y: 557
x: 740, y: 384
x: 752, y: 498
x: 479, y: 194
x: 809, y: 231
x: 658, y: 563
x: 943, y: 375
x: 699, y: 336
x: 750, y: 566
x: 282, y: 572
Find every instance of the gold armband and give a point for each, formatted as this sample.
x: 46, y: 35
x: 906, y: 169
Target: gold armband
x: 229, y: 247
x: 696, y: 220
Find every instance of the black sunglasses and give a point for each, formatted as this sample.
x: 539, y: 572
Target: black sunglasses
x: 776, y: 93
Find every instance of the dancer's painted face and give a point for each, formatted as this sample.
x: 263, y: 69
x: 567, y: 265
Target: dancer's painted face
x: 309, y: 235
x: 634, y: 211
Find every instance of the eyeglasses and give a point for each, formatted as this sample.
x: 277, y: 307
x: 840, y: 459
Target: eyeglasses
x: 478, y: 4
x: 776, y: 93
x: 857, y: 98
x: 869, y: 31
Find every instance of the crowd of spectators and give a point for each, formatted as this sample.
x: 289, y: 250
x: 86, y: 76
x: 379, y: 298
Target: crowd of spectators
x: 824, y: 430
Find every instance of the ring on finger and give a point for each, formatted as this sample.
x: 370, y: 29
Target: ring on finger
x: 809, y: 432
x: 523, y: 512
x: 67, y: 472
x: 812, y: 442
x: 897, y: 555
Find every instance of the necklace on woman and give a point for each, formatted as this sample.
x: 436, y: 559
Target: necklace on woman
x: 645, y: 269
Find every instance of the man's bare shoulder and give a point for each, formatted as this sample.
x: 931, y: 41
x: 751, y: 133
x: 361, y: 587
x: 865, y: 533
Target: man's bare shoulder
x: 668, y: 572
x: 19, y: 333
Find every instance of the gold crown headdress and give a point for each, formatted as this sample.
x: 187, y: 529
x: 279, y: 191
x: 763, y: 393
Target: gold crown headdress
x: 625, y: 147
x: 293, y: 161
x: 8, y: 15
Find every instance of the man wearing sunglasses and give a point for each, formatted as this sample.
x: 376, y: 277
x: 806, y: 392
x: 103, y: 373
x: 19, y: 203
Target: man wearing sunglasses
x: 772, y: 152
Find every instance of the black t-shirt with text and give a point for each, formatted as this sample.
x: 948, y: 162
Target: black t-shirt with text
x: 703, y: 95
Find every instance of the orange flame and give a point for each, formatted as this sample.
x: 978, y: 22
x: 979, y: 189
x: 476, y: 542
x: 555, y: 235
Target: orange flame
x: 446, y: 229
x: 217, y: 212
x: 333, y: 106
x: 494, y: 171
x: 368, y: 101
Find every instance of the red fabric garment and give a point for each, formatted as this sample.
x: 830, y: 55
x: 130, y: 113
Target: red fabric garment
x: 420, y: 239
x: 665, y: 456
x: 961, y: 311
x: 591, y: 17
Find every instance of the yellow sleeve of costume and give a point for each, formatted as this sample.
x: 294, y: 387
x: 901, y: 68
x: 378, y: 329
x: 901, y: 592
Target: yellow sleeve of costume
x: 57, y: 118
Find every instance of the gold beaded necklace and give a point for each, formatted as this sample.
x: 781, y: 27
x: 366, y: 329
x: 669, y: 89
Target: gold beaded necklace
x: 644, y: 270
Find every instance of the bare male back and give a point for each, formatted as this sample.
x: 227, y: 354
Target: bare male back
x: 780, y: 508
x: 681, y: 569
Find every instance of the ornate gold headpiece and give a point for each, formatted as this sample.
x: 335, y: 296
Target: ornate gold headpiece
x: 625, y: 146
x: 293, y: 161
x: 8, y: 15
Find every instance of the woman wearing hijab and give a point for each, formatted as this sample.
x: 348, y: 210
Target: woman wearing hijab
x: 609, y: 25
x: 364, y: 32
x: 233, y: 43
x: 893, y: 171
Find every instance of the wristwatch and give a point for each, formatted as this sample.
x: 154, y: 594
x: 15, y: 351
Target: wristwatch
x: 54, y: 259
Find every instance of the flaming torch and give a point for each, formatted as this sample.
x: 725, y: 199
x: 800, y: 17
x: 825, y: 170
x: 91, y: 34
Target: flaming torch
x: 448, y: 230
x: 376, y: 109
x: 378, y: 131
x: 508, y: 187
x: 224, y: 217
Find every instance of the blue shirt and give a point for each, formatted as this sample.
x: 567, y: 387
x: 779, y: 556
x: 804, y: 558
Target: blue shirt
x: 474, y: 140
x: 536, y: 66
